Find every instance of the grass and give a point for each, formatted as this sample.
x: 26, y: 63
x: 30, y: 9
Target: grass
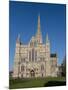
x: 36, y: 82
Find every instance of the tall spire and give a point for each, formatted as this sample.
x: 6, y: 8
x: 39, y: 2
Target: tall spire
x: 47, y: 39
x: 38, y: 35
x: 18, y: 38
x: 39, y: 24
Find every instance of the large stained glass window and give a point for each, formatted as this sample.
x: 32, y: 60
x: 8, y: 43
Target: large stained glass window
x: 22, y: 68
x: 35, y: 55
x: 29, y: 55
x: 32, y: 54
x: 42, y: 67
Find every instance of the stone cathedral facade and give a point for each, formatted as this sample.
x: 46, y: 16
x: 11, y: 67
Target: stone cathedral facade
x: 35, y: 58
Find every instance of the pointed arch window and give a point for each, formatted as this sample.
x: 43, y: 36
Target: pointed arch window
x: 29, y: 55
x: 22, y: 68
x: 33, y: 54
x: 42, y: 67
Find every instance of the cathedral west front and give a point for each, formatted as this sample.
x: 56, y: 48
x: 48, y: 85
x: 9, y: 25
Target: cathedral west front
x: 34, y: 59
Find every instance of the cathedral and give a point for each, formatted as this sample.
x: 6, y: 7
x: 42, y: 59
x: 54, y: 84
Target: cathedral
x: 34, y: 59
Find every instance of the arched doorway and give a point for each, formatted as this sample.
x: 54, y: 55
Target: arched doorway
x: 32, y: 73
x: 22, y: 75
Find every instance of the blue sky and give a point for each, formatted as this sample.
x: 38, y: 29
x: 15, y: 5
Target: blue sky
x: 23, y: 19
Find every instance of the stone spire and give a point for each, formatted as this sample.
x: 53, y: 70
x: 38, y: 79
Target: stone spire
x: 47, y: 39
x: 39, y: 25
x: 18, y: 38
x: 38, y: 35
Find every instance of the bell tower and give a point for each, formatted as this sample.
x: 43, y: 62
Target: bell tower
x: 48, y: 70
x: 16, y: 67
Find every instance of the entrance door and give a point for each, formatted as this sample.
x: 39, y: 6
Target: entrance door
x: 32, y: 73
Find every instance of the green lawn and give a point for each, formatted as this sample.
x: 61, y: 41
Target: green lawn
x: 36, y: 82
